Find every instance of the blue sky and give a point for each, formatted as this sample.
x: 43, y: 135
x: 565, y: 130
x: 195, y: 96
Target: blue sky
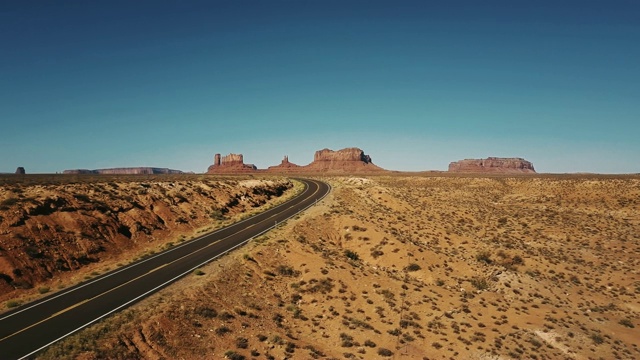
x: 415, y: 84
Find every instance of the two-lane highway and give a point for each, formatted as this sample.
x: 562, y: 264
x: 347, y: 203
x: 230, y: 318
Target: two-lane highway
x: 33, y: 327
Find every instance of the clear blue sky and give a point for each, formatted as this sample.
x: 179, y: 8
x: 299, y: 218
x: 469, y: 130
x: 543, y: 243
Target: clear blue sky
x: 415, y: 84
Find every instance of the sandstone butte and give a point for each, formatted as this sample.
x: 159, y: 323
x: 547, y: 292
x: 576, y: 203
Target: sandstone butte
x: 492, y: 165
x: 232, y: 163
x: 125, y: 171
x: 349, y: 160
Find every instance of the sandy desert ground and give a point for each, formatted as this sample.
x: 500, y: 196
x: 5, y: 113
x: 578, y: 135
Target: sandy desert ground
x: 410, y: 267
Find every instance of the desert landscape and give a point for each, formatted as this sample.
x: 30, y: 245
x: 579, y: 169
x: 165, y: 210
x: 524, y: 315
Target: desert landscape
x: 484, y: 266
x: 60, y: 228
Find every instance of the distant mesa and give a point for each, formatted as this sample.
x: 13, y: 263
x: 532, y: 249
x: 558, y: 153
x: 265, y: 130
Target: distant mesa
x: 492, y: 165
x: 285, y: 165
x: 125, y: 171
x: 232, y: 163
x: 345, y: 160
x: 349, y: 160
x: 20, y: 171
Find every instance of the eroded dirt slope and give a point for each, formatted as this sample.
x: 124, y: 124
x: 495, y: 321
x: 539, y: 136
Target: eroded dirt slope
x: 48, y: 231
x: 410, y: 268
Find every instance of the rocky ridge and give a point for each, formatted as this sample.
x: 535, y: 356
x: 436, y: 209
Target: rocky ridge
x: 492, y: 165
x: 125, y: 171
x: 50, y: 230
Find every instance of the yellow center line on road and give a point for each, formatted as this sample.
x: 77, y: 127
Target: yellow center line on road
x: 82, y: 302
x: 128, y: 282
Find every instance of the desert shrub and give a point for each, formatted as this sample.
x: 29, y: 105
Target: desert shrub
x: 242, y: 343
x: 216, y: 215
x: 376, y: 253
x: 413, y: 267
x: 480, y: 283
x: 222, y: 330
x: 385, y: 352
x: 285, y: 270
x: 323, y: 285
x: 232, y: 355
x: 351, y: 255
x: 626, y: 322
x: 369, y: 343
x: 206, y: 312
x: 226, y: 316
x: 43, y: 290
x: 395, y: 332
x: 484, y: 256
x: 13, y: 303
x: 198, y: 272
x: 597, y: 339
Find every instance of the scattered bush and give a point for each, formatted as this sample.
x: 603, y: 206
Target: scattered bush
x: 351, y: 255
x: 485, y: 257
x: 597, y: 339
x: 480, y: 283
x: 385, y: 352
x: 234, y: 355
x: 222, y: 330
x: 369, y: 343
x: 626, y: 322
x: 13, y: 303
x: 242, y: 343
x: 413, y: 267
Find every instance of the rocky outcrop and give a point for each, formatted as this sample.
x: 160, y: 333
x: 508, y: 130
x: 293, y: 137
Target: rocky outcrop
x: 492, y: 165
x: 285, y: 165
x: 50, y: 230
x: 20, y: 171
x: 345, y: 160
x: 125, y: 171
x: 232, y: 163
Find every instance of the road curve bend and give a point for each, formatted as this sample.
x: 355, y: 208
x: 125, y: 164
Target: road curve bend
x: 33, y: 327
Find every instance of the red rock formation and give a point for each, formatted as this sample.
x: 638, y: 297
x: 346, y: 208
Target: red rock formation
x: 345, y: 160
x: 492, y: 165
x: 285, y: 165
x: 232, y: 163
x: 125, y: 171
x: 20, y: 171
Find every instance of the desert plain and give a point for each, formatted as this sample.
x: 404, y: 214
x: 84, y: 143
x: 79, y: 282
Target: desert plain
x: 385, y: 267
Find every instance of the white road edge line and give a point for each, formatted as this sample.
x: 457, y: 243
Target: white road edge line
x: 62, y: 293
x: 168, y: 281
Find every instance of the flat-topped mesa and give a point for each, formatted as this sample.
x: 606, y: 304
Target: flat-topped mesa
x: 285, y: 165
x: 230, y: 163
x: 345, y: 160
x: 125, y: 171
x: 492, y: 165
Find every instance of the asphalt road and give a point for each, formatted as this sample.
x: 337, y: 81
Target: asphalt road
x: 32, y: 327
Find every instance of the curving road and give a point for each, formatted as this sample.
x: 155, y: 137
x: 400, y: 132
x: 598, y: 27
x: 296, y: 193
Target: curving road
x: 32, y: 327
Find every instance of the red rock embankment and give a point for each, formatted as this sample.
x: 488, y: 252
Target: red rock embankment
x: 49, y: 231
